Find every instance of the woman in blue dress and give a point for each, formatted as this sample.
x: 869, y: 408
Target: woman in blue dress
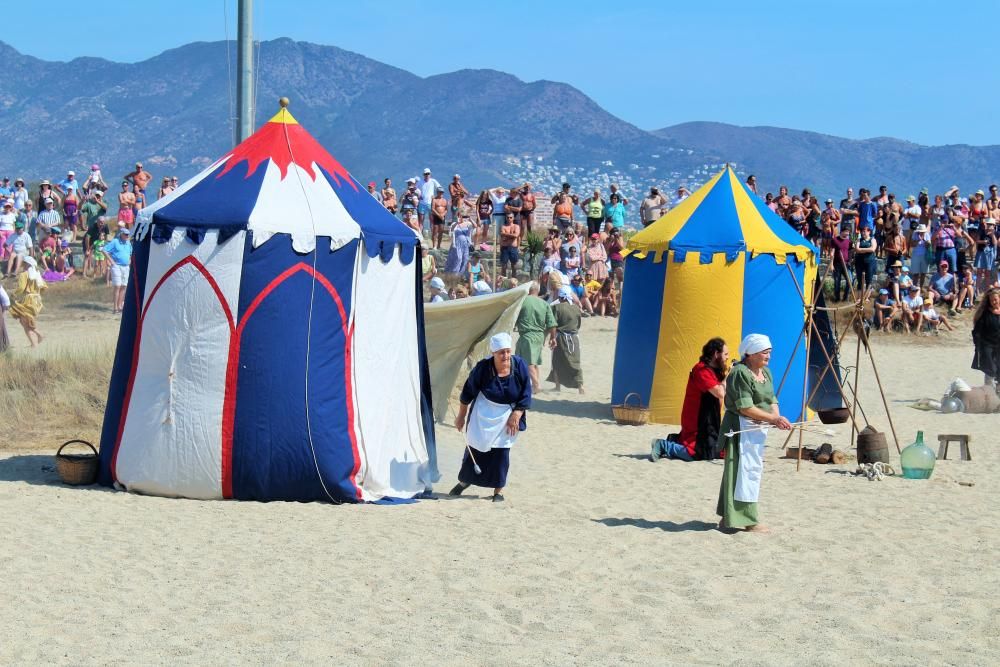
x: 493, y: 402
x: 461, y: 242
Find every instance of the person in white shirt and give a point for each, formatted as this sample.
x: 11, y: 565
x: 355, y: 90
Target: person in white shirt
x: 653, y: 207
x: 19, y: 246
x: 682, y: 194
x: 438, y: 291
x: 428, y: 187
x: 913, y: 303
x: 932, y: 318
x: 911, y: 217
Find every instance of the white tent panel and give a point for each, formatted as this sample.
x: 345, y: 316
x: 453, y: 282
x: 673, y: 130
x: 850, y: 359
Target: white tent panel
x: 386, y: 379
x: 171, y: 444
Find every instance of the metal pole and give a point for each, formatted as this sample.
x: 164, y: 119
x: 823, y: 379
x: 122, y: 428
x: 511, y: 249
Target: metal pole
x: 244, y: 71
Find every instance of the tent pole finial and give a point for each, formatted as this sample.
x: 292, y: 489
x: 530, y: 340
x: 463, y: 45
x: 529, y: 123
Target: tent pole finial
x: 283, y: 102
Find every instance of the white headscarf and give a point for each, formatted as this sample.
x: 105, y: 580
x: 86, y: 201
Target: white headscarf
x: 33, y: 274
x: 566, y: 293
x: 501, y: 341
x: 753, y: 344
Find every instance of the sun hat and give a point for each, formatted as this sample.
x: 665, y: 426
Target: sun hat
x: 595, y: 236
x: 910, y: 198
x: 943, y: 263
x: 437, y: 283
x: 45, y: 182
x: 896, y: 263
x: 921, y: 228
x: 883, y: 291
x: 427, y: 170
x: 124, y: 231
x: 48, y: 200
x: 829, y: 201
x: 71, y: 173
x: 95, y: 167
x: 906, y: 269
x: 19, y: 225
x: 928, y: 301
x: 914, y: 288
x: 371, y: 184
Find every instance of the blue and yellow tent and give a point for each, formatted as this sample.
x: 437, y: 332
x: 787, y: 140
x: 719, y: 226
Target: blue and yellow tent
x: 713, y: 266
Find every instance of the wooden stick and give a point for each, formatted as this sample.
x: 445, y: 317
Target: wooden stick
x: 829, y: 360
x: 878, y: 381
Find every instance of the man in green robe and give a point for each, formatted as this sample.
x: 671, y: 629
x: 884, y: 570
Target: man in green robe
x: 534, y: 323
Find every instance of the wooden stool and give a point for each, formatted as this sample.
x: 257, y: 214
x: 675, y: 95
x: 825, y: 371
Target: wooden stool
x: 963, y: 446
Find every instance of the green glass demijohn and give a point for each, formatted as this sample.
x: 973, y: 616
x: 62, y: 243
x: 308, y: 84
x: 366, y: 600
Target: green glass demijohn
x: 918, y: 459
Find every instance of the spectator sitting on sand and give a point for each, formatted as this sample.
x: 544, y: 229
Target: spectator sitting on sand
x: 931, y: 318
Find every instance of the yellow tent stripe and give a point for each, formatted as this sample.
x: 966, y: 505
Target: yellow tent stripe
x: 756, y: 232
x: 659, y: 234
x: 700, y: 301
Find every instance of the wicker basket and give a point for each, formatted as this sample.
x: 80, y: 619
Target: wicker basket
x: 631, y: 415
x: 77, y: 469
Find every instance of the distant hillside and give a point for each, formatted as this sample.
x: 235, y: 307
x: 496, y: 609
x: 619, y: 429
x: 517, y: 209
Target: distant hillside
x: 829, y: 164
x: 173, y: 112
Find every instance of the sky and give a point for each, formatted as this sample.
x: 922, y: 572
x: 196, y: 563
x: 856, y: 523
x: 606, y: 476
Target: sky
x: 853, y: 69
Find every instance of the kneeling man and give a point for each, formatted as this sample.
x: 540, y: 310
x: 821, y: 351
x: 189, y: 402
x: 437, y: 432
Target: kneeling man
x: 701, y: 413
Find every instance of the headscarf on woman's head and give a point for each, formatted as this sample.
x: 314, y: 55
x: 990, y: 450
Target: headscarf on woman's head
x: 566, y: 293
x: 753, y: 344
x: 501, y: 341
x: 33, y: 274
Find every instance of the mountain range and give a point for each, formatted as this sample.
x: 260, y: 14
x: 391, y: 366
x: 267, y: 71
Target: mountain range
x: 174, y: 112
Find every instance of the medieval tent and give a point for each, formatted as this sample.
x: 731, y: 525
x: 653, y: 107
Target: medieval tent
x: 272, y: 343
x: 715, y: 265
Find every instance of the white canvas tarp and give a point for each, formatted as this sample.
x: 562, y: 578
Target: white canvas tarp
x: 461, y: 329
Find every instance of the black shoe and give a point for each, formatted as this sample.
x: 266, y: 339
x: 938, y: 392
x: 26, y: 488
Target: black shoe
x: 457, y: 489
x: 497, y: 498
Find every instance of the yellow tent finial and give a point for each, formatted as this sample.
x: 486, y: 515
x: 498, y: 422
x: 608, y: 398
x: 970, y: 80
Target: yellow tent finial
x: 283, y: 116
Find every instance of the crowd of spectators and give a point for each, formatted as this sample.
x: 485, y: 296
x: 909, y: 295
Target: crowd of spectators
x: 62, y: 219
x: 919, y: 262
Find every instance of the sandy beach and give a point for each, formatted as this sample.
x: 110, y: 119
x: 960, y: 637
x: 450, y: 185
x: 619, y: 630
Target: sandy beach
x: 598, y: 556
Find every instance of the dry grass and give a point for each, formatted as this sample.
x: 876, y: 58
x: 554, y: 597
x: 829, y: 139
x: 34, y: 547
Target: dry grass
x: 53, y: 395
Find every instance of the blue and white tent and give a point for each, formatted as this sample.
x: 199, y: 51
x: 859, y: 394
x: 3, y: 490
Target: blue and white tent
x: 272, y: 344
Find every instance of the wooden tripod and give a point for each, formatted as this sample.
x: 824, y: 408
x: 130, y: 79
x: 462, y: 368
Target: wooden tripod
x: 856, y: 322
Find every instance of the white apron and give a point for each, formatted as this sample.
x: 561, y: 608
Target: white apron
x: 488, y: 425
x: 751, y: 463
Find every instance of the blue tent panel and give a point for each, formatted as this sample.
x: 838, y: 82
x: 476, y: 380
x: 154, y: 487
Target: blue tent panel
x: 638, y: 328
x: 274, y: 457
x: 766, y: 284
x: 713, y: 227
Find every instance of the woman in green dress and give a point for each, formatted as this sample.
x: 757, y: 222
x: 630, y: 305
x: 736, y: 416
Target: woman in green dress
x: 567, y: 370
x: 749, y: 402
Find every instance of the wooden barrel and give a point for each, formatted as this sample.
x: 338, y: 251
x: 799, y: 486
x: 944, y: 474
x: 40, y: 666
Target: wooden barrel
x: 872, y: 446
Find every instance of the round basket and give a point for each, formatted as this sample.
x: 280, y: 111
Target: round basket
x: 631, y: 415
x: 77, y: 469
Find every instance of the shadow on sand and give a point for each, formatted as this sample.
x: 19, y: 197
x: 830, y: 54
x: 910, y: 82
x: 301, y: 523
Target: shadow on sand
x: 637, y: 457
x: 38, y: 469
x: 588, y: 409
x: 666, y: 526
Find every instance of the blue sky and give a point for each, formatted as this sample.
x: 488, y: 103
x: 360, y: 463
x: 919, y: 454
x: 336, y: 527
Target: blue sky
x: 853, y: 69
